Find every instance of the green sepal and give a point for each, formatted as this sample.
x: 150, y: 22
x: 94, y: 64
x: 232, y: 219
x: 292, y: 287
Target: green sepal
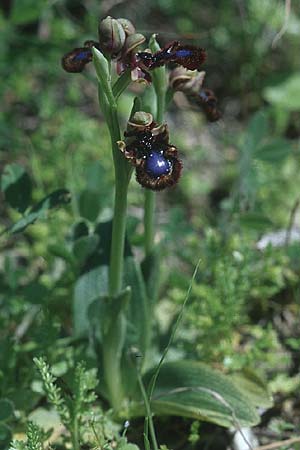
x: 101, y: 66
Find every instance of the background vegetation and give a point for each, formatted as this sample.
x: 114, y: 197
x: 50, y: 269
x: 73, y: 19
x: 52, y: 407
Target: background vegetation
x: 235, y: 208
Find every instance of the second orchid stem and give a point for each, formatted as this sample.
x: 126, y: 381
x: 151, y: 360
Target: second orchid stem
x: 159, y: 83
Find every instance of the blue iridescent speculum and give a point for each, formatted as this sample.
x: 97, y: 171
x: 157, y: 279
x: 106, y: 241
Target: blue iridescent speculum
x: 157, y: 165
x: 183, y: 53
x: 82, y: 55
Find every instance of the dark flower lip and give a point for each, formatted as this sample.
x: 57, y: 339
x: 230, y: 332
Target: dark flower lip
x: 147, y: 148
x: 163, y: 181
x: 76, y: 60
x: 188, y: 56
x: 207, y: 100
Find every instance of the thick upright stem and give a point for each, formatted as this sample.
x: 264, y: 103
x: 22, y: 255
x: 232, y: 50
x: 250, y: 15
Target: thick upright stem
x: 149, y: 209
x: 118, y: 231
x: 159, y: 82
x: 113, y: 338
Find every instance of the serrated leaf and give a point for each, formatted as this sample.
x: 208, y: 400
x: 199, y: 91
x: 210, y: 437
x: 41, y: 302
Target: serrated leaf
x: 39, y: 211
x: 275, y: 151
x: 253, y: 387
x: 194, y: 390
x: 16, y: 186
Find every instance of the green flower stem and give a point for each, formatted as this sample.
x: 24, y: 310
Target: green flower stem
x: 113, y: 339
x: 159, y: 83
x: 120, y: 209
x: 75, y: 433
x: 112, y: 353
x: 149, y: 210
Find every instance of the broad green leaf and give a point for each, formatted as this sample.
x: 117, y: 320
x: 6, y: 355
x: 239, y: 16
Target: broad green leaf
x: 17, y: 187
x: 89, y: 287
x: 194, y: 390
x: 6, y: 409
x: 285, y: 95
x: 39, y: 211
x: 253, y: 387
x: 94, y: 282
x: 275, y: 151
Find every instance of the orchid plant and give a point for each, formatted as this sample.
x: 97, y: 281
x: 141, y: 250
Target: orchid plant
x: 120, y: 316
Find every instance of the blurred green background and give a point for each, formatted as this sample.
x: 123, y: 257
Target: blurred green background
x: 236, y: 205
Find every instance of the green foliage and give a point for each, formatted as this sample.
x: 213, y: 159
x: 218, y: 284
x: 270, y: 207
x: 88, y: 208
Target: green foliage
x: 191, y: 389
x: 52, y: 391
x: 39, y: 211
x: 71, y: 409
x: 285, y: 95
x: 16, y: 186
x: 240, y: 184
x: 35, y: 439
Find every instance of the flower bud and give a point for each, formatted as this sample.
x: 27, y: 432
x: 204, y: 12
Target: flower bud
x: 127, y: 26
x: 140, y: 119
x: 133, y: 42
x: 111, y: 36
x: 187, y: 81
